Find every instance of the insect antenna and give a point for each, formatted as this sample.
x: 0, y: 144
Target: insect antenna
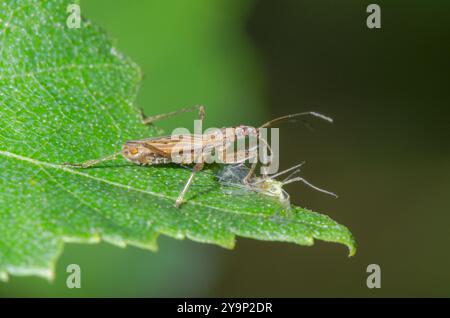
x: 310, y: 185
x: 284, y: 172
x: 290, y: 176
x: 93, y: 162
x: 284, y: 119
x: 291, y: 117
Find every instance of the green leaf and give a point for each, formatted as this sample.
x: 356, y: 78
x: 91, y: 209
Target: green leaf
x: 66, y: 95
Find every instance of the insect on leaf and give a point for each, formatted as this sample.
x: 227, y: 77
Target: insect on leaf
x: 66, y: 95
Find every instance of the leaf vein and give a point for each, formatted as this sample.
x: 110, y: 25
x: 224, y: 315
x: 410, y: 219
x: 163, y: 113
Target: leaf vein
x: 119, y: 185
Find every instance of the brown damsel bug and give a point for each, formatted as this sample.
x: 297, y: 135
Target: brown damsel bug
x: 159, y: 150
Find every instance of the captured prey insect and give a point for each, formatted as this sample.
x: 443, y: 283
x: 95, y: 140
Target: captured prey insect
x: 234, y: 175
x: 159, y: 150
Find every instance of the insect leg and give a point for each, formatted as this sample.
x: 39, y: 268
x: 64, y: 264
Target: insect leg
x: 250, y: 173
x: 197, y: 168
x: 281, y: 120
x: 149, y: 120
x: 92, y: 162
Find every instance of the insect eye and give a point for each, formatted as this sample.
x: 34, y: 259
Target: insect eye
x: 273, y: 189
x: 133, y: 151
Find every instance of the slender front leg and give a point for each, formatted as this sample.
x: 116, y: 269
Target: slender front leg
x: 149, y: 120
x: 92, y: 162
x: 250, y: 173
x: 199, y: 165
x: 197, y: 168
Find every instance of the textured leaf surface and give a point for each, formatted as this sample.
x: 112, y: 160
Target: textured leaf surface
x: 67, y: 95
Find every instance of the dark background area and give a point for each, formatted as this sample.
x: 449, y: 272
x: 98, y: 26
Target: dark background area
x: 387, y: 155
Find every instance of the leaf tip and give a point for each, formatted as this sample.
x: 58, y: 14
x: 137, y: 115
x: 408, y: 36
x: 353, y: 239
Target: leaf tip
x: 352, y: 250
x: 352, y: 246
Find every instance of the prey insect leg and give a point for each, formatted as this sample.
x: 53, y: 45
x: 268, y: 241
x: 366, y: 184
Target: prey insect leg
x: 149, y: 120
x: 92, y: 162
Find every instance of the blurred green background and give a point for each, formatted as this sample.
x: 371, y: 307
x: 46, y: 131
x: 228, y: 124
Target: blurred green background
x: 387, y: 155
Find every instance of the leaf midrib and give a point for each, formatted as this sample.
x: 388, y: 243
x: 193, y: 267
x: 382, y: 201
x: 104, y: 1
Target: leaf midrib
x: 59, y: 68
x: 116, y: 184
